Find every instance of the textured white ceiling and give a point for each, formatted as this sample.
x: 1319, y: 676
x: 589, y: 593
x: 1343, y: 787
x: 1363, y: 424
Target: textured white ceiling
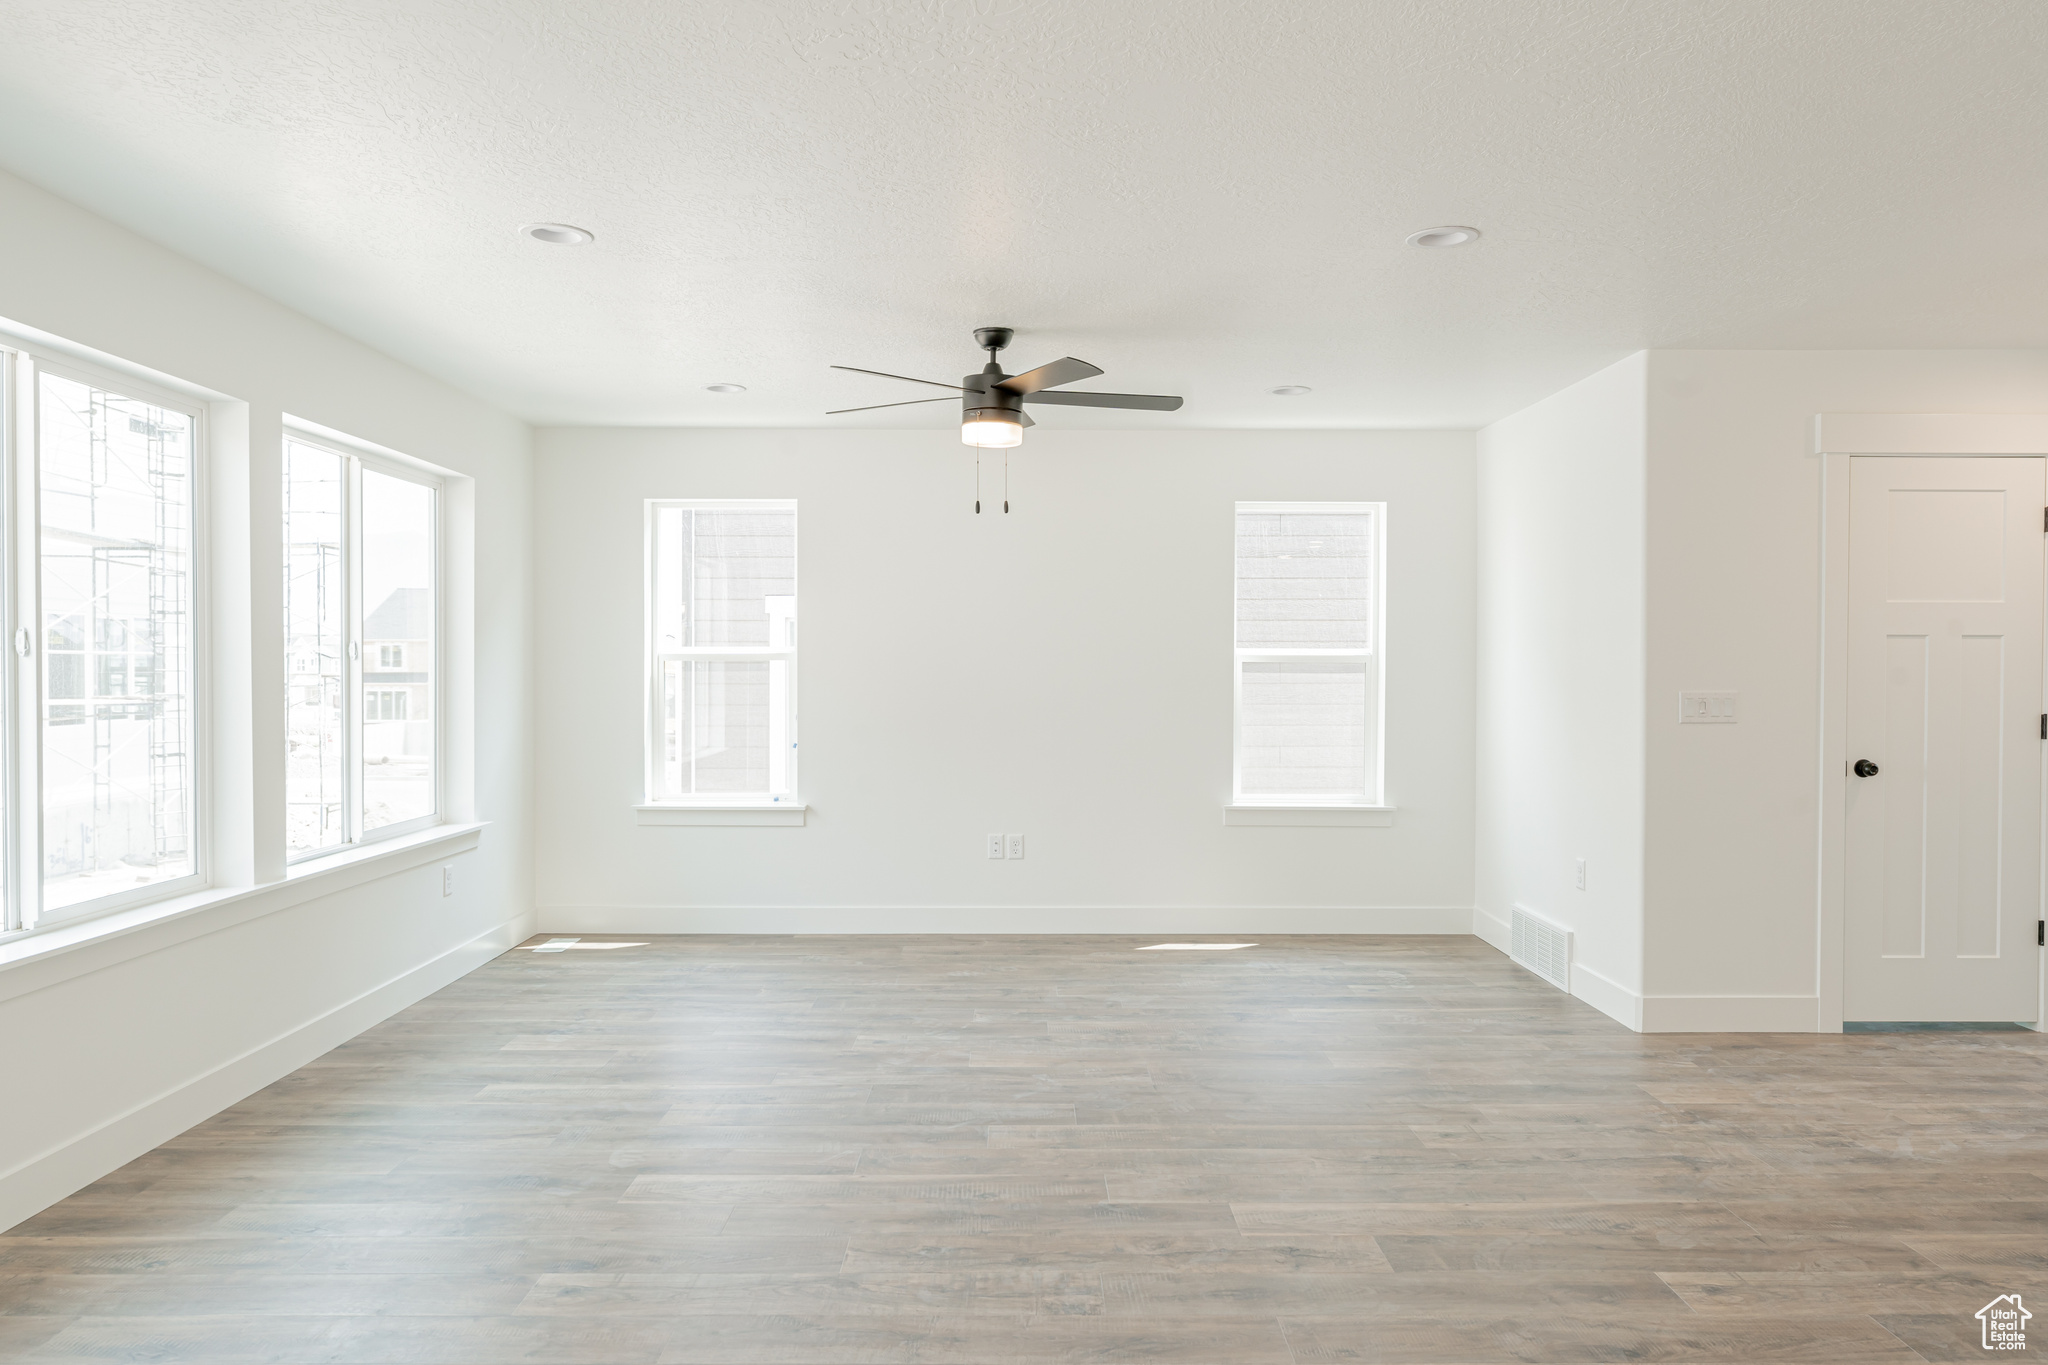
x: 1204, y: 197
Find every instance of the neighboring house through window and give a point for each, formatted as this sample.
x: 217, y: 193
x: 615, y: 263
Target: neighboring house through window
x: 721, y: 652
x: 361, y: 611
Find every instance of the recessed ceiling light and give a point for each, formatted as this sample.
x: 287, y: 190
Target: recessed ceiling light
x: 1290, y: 390
x: 1444, y: 236
x: 725, y: 388
x: 558, y: 234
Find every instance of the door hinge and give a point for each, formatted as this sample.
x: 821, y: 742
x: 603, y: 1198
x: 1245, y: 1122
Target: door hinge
x: 2044, y: 725
x: 2041, y: 933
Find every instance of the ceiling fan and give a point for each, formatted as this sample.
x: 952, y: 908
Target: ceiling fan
x: 992, y: 403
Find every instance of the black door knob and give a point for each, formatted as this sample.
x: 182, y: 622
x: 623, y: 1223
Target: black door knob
x: 1865, y: 768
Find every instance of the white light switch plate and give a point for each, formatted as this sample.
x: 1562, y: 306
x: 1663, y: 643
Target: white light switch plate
x: 995, y: 845
x: 1706, y: 708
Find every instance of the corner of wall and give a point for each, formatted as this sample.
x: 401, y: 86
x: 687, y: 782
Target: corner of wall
x: 1561, y: 740
x: 1610, y: 997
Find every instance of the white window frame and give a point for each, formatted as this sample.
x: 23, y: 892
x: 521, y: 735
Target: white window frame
x: 357, y: 459
x: 21, y: 574
x: 1375, y: 798
x: 654, y: 780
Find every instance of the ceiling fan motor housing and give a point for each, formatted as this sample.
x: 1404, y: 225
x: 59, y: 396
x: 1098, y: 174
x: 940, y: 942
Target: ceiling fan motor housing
x: 983, y: 400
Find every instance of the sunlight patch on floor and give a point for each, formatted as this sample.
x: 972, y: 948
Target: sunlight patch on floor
x: 1193, y: 947
x: 562, y: 945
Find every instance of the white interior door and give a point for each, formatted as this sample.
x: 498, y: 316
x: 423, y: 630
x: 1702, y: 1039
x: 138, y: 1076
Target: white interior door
x: 1944, y: 687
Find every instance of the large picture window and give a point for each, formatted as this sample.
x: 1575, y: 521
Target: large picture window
x: 107, y: 728
x: 1309, y: 666
x: 107, y: 643
x: 721, y: 652
x: 361, y: 620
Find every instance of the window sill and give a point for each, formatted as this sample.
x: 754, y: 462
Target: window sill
x: 383, y: 848
x: 790, y: 814
x: 1353, y: 816
x: 44, y: 957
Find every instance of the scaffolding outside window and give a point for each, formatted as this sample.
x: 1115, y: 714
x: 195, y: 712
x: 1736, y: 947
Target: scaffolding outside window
x: 102, y: 577
x: 361, y: 621
x: 114, y: 589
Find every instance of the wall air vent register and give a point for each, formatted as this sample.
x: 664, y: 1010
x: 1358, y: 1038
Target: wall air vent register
x: 1541, y: 946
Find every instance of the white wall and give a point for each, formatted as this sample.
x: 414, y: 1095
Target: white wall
x: 1735, y: 604
x: 119, y: 1044
x: 1652, y: 530
x: 1063, y: 671
x: 1560, y: 676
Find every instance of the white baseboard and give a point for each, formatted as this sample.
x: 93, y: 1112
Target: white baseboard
x: 1607, y: 995
x: 1003, y: 919
x: 1731, y: 1014
x: 1673, y: 1013
x: 1696, y: 1013
x: 44, y: 1179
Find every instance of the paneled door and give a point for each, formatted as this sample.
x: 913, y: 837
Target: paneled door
x: 1944, y: 731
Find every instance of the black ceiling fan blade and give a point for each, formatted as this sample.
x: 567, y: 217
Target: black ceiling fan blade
x: 1065, y: 370
x: 1154, y: 402
x: 908, y: 402
x: 886, y: 375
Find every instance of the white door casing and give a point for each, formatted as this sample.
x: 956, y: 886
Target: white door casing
x: 1943, y: 844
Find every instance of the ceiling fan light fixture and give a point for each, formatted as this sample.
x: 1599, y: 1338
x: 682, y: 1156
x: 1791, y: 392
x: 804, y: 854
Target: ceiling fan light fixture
x: 992, y: 429
x: 1444, y: 236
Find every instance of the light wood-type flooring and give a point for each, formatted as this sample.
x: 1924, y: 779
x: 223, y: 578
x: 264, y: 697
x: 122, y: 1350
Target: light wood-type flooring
x: 952, y: 1149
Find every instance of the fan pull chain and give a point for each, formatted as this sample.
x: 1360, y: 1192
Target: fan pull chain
x: 977, y: 481
x: 1006, y: 481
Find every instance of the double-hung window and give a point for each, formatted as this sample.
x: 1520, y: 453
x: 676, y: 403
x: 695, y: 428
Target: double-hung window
x: 721, y: 652
x: 101, y: 566
x: 1309, y: 673
x: 361, y: 605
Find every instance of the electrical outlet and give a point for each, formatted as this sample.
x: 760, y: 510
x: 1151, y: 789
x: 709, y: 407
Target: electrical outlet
x: 1579, y: 872
x: 1706, y: 708
x: 1016, y: 845
x: 995, y: 845
x: 448, y: 880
